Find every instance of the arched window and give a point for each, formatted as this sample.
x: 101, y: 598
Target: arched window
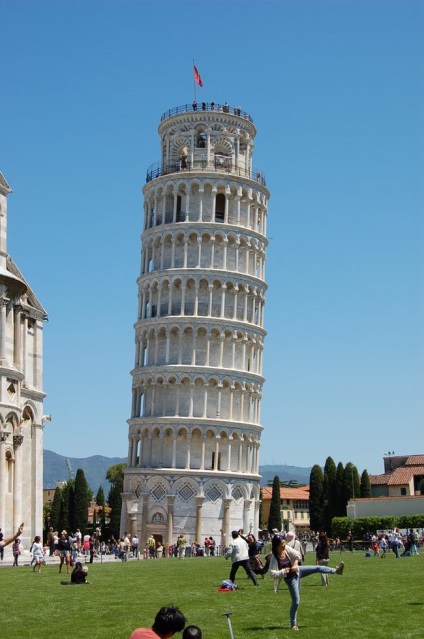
x: 220, y: 207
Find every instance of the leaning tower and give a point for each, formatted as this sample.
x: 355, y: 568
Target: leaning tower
x: 194, y: 431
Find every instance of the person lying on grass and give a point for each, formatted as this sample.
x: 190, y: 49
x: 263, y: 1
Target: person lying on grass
x: 79, y: 574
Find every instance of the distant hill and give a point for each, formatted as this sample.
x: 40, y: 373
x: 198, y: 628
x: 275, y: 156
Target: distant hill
x: 95, y: 468
x: 285, y: 473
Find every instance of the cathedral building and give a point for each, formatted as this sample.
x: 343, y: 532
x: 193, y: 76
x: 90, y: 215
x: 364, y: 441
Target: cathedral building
x: 21, y: 394
x: 195, y: 426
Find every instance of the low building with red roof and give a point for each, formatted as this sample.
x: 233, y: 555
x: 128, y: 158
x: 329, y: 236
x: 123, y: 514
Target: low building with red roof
x: 395, y: 492
x: 294, y: 506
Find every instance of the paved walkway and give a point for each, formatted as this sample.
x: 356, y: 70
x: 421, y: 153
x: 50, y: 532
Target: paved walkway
x: 25, y: 559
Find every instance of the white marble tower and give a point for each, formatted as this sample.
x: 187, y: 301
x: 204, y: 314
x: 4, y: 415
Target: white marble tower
x: 194, y: 431
x: 21, y: 394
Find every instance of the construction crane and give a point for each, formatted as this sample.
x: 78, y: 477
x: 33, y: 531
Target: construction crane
x: 69, y: 467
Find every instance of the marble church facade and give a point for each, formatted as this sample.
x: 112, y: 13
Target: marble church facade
x: 195, y: 426
x: 21, y: 394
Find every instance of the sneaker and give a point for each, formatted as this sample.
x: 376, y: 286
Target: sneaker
x: 340, y: 568
x: 294, y: 628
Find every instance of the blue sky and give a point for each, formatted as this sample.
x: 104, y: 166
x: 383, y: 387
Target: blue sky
x: 336, y: 91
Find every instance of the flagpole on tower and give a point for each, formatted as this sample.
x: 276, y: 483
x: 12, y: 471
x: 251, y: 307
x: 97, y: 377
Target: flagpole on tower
x: 196, y: 79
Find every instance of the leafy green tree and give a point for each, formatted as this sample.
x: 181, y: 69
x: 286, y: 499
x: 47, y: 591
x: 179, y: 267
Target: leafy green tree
x: 330, y: 493
x: 82, y: 501
x: 340, y: 503
x: 274, y: 518
x: 365, y: 487
x: 115, y: 475
x: 56, y: 508
x: 316, y: 498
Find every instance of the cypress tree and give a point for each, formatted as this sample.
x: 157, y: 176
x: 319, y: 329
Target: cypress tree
x: 274, y: 518
x: 100, y: 502
x: 115, y: 475
x: 351, y: 486
x: 356, y: 481
x: 330, y: 493
x: 64, y: 513
x: 71, y: 502
x: 316, y: 498
x: 100, y: 497
x: 81, y: 500
x: 340, y: 503
x: 365, y: 488
x: 55, y: 510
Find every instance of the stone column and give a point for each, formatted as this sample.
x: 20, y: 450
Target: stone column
x: 256, y: 521
x: 188, y: 202
x: 196, y: 301
x: 17, y: 336
x: 17, y: 481
x: 185, y: 252
x: 133, y: 525
x: 141, y: 450
x: 210, y: 288
x: 199, y: 253
x: 227, y: 202
x: 132, y: 452
x: 223, y: 291
x: 216, y: 464
x: 174, y: 450
x: 170, y: 523
x: 183, y: 292
x: 230, y: 439
x: 3, y: 478
x: 247, y: 524
x: 232, y: 391
x: 199, y: 506
x: 187, y: 465
x: 226, y: 522
x: 172, y: 254
x: 144, y: 513
x: 3, y: 304
x: 174, y: 212
x: 224, y: 257
x: 240, y: 453
x: 201, y: 205
x: 212, y: 243
x: 202, y: 461
x: 191, y: 399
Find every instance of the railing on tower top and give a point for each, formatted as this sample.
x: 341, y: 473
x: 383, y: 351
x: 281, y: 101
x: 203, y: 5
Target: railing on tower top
x: 206, y: 106
x: 220, y: 164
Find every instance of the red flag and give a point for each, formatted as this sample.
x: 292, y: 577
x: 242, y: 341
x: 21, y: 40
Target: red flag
x: 197, y: 76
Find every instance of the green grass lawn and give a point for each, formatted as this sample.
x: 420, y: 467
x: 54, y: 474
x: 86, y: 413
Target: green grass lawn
x: 374, y: 598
